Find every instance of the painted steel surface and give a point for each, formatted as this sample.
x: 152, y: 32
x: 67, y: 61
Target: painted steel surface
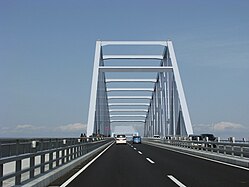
x: 163, y: 107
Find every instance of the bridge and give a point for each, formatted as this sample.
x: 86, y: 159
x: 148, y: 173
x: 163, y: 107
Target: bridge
x: 137, y: 91
x: 150, y: 95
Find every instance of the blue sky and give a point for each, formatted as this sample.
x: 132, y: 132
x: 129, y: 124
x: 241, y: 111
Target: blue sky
x: 47, y: 50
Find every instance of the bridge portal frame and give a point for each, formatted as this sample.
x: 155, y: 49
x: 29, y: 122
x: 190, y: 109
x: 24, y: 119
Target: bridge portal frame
x: 167, y: 113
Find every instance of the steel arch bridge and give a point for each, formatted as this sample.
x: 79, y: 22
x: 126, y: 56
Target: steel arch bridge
x: 141, y: 89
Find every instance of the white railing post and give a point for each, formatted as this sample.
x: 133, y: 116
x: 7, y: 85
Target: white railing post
x: 241, y: 152
x: 218, y: 147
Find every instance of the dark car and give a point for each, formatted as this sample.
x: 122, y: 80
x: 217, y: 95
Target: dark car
x: 195, y: 140
x: 136, y: 139
x: 194, y: 137
x: 210, y: 137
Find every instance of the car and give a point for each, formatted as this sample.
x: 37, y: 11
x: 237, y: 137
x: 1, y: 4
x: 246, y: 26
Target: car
x: 136, y: 139
x: 210, y: 137
x: 156, y: 136
x: 195, y: 140
x: 121, y: 139
x: 194, y: 137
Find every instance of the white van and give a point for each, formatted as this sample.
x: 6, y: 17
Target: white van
x: 121, y: 139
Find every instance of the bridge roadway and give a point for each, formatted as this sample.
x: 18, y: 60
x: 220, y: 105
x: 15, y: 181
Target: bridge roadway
x: 148, y: 166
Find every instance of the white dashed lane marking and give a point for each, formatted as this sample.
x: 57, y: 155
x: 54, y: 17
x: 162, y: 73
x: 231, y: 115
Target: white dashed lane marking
x: 169, y: 176
x: 151, y: 161
x: 176, y: 181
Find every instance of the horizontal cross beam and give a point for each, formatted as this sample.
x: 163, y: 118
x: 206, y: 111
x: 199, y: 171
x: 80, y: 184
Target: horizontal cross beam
x: 127, y: 116
x: 128, y: 110
x: 142, y: 121
x: 133, y: 57
x: 130, y: 80
x: 135, y: 69
x: 129, y: 97
x: 130, y: 89
x: 129, y: 104
x: 163, y: 43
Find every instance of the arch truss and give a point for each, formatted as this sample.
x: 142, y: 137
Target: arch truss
x: 137, y: 89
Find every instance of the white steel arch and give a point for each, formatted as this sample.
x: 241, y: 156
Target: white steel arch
x: 161, y: 108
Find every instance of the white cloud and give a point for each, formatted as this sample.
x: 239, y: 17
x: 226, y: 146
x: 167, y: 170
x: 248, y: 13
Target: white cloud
x: 75, y: 127
x: 124, y: 129
x: 223, y: 129
x: 23, y: 126
x: 220, y: 126
x: 128, y: 129
x: 28, y: 130
x: 223, y: 126
x: 19, y: 129
x: 27, y: 127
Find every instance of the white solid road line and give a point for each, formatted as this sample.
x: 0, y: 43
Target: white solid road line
x: 176, y: 181
x: 140, y: 152
x: 86, y: 166
x: 209, y: 159
x: 151, y: 161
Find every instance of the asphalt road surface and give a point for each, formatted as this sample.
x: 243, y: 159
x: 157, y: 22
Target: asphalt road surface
x: 147, y: 166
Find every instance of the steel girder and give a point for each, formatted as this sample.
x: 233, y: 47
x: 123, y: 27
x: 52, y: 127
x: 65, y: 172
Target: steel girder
x: 163, y: 112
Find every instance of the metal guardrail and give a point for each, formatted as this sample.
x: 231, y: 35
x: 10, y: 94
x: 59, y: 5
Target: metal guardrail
x: 12, y: 147
x: 225, y: 148
x: 42, y: 155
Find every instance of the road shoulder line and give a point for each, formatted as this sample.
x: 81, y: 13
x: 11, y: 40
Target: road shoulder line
x: 85, y: 167
x: 198, y: 156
